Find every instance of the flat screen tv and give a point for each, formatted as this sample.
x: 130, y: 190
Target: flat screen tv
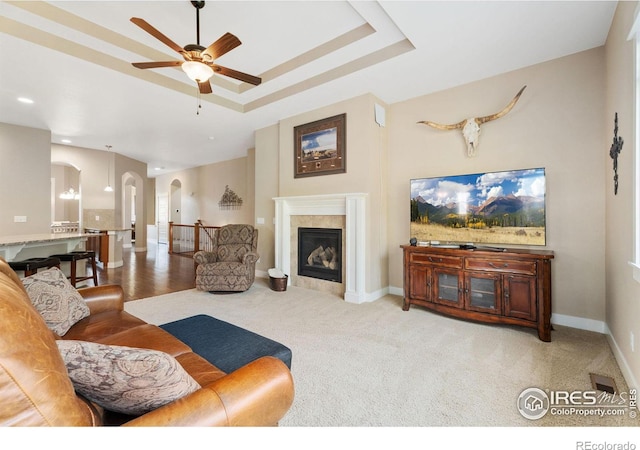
x: 490, y: 209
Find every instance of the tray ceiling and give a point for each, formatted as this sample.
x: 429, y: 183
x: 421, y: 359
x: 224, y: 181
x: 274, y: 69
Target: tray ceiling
x: 73, y: 59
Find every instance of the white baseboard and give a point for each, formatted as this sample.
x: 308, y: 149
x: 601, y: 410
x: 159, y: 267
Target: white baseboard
x: 579, y: 322
x: 393, y: 290
x: 261, y: 274
x: 373, y: 296
x: 622, y: 361
x: 599, y: 327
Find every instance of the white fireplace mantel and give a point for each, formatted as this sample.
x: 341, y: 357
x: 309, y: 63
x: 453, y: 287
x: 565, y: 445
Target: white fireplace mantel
x: 352, y: 206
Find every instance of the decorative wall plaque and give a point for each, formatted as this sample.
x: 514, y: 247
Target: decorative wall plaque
x: 229, y: 200
x: 616, y: 148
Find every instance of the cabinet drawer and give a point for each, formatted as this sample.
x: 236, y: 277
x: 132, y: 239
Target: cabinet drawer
x: 437, y: 260
x: 501, y: 265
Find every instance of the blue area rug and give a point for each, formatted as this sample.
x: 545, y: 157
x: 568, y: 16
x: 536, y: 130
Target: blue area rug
x: 224, y: 345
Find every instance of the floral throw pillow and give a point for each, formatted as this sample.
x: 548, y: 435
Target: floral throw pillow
x: 57, y: 301
x: 125, y: 379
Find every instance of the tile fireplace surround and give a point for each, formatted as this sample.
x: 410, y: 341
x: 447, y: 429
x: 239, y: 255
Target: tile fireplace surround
x: 352, y: 206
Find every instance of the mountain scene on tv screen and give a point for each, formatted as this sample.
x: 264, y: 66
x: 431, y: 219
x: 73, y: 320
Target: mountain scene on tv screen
x: 491, y: 208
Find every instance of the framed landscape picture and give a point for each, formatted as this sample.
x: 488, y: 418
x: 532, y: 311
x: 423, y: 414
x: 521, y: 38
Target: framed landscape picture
x: 320, y: 147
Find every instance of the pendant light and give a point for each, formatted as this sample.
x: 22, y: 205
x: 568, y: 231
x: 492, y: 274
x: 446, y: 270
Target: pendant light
x: 70, y: 194
x: 108, y: 188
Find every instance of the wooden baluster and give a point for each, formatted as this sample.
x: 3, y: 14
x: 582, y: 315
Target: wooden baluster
x: 170, y: 238
x: 196, y: 237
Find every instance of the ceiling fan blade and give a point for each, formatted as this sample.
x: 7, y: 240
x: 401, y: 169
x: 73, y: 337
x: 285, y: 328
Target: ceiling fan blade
x: 205, y: 88
x: 223, y: 45
x: 156, y: 34
x: 155, y: 64
x: 237, y: 75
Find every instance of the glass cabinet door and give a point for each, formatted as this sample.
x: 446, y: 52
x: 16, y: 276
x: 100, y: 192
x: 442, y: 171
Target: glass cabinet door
x: 483, y: 292
x: 447, y: 287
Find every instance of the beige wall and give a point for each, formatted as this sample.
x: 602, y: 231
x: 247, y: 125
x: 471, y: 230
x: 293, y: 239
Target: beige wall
x: 266, y: 188
x: 25, y: 190
x: 213, y: 180
x: 556, y: 125
x: 188, y: 181
x: 366, y: 154
x: 102, y: 209
x: 622, y: 291
x: 25, y: 182
x: 150, y: 200
x: 202, y: 187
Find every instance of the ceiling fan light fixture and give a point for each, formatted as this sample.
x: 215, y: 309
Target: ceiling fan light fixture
x: 197, y: 71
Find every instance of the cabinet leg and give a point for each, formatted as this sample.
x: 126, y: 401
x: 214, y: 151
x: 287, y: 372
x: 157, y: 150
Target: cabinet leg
x: 544, y: 334
x: 405, y: 305
x: 544, y: 329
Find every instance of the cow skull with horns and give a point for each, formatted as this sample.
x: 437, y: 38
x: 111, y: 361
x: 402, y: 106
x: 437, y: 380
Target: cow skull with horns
x: 471, y: 127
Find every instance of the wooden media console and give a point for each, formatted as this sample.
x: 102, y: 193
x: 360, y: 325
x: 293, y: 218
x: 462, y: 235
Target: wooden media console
x: 507, y: 286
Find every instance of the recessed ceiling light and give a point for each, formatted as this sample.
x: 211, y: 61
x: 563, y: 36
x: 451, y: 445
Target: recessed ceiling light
x: 25, y: 100
x: 212, y: 138
x: 66, y: 141
x: 158, y: 168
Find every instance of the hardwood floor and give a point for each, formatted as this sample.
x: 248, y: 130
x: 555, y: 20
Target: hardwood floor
x: 150, y: 273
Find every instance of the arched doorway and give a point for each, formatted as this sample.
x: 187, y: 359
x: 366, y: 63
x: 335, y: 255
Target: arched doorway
x: 65, y: 193
x: 176, y: 201
x: 175, y: 213
x: 133, y: 211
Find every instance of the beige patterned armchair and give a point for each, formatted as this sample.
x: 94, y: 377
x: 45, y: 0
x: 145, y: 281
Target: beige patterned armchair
x: 231, y: 265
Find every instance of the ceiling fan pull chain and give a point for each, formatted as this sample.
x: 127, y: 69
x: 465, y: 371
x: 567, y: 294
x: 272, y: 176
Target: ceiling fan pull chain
x: 199, y: 102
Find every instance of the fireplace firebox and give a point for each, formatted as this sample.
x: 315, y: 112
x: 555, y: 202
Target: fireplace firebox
x: 320, y: 253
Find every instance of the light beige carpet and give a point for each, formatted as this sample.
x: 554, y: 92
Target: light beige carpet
x: 376, y: 365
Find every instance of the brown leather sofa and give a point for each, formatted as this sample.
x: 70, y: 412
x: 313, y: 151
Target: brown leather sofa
x: 35, y: 389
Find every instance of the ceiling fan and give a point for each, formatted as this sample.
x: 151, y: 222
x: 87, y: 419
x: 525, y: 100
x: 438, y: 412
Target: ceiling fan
x: 198, y: 61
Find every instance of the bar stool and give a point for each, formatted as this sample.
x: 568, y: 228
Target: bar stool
x: 73, y: 258
x: 30, y: 266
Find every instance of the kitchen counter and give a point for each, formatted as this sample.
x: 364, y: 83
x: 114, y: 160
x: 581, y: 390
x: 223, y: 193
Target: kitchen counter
x: 18, y: 247
x: 107, y: 243
x: 107, y: 230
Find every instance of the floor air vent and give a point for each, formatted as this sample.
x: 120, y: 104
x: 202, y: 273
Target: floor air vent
x: 603, y: 383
